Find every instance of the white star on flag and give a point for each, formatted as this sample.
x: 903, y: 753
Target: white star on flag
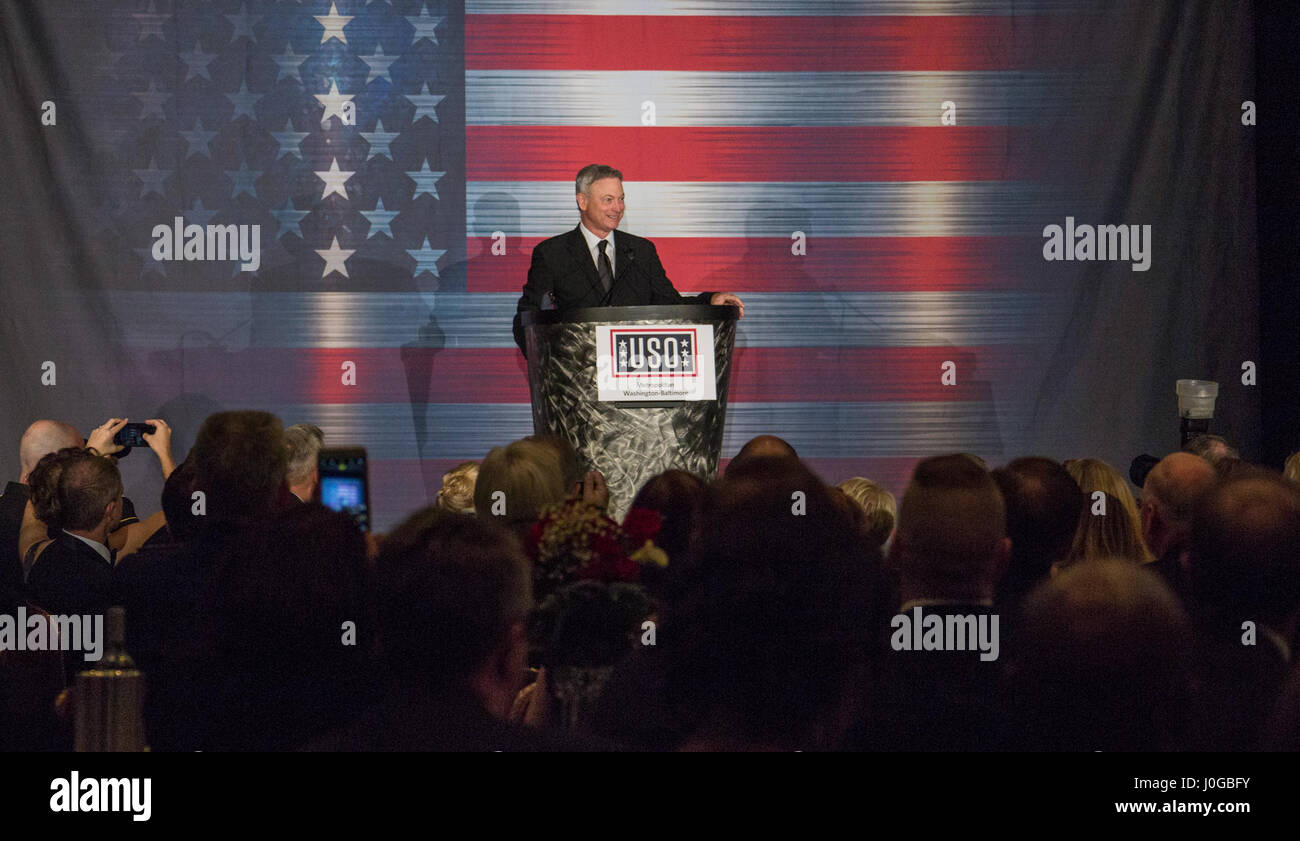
x: 197, y: 63
x: 290, y: 219
x: 333, y: 23
x: 290, y: 141
x: 379, y: 141
x: 333, y: 102
x: 426, y: 181
x: 380, y: 220
x: 379, y: 64
x: 426, y: 258
x: 242, y: 23
x: 243, y: 99
x: 243, y: 179
x: 334, y: 180
x: 152, y: 179
x: 336, y: 259
x: 151, y: 101
x: 425, y: 103
x: 288, y: 63
x: 424, y: 25
x: 199, y: 140
x: 151, y: 22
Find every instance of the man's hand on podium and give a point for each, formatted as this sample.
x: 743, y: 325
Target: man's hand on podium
x: 723, y: 299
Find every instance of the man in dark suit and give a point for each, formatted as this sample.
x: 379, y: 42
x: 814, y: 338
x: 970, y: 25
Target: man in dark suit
x: 590, y: 267
x: 74, y: 574
x: 949, y: 551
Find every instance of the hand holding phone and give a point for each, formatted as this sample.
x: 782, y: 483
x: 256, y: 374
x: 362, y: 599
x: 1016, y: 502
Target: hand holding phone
x: 344, y: 484
x: 102, y: 439
x: 132, y: 435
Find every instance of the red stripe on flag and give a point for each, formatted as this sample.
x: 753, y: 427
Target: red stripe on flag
x: 830, y: 264
x: 844, y: 154
x: 307, y: 376
x: 284, y: 376
x: 742, y: 43
x: 864, y: 374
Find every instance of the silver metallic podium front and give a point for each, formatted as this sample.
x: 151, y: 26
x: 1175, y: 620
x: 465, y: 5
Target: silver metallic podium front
x: 627, y: 442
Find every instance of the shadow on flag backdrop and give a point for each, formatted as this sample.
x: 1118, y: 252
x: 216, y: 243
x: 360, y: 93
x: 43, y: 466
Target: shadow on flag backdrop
x: 874, y: 178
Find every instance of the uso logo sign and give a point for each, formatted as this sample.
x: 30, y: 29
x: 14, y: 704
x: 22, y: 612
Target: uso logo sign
x: 653, y: 351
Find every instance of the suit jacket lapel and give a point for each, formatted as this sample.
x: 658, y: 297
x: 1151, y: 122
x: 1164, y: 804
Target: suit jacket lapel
x: 630, y: 285
x: 578, y: 246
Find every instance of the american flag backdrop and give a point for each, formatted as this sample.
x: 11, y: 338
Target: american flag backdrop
x: 873, y: 179
x: 792, y: 152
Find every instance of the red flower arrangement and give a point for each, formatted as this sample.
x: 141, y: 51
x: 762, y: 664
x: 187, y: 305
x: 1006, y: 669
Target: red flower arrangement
x: 588, y: 580
x: 642, y: 524
x: 575, y: 541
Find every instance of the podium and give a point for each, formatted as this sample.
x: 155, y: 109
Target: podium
x: 635, y: 431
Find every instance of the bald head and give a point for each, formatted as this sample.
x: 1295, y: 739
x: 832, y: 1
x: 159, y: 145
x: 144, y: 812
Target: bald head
x: 41, y: 439
x: 1212, y: 448
x: 763, y: 446
x: 1169, y: 497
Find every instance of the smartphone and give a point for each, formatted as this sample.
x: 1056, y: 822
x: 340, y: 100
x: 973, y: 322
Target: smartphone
x: 344, y: 483
x: 132, y: 435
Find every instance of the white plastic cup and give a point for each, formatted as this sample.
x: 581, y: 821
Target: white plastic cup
x: 1196, y: 398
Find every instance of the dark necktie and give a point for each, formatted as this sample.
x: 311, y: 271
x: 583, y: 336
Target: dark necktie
x: 606, y: 270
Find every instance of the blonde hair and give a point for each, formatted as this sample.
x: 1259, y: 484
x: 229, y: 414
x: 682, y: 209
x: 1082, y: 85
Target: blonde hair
x: 1092, y: 475
x: 1109, y: 535
x: 1292, y: 469
x: 457, y: 491
x: 529, y: 476
x: 877, y: 503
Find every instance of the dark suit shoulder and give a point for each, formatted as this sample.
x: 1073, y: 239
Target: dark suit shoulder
x: 624, y: 239
x: 67, y: 549
x: 70, y: 577
x: 13, y: 502
x: 15, y: 495
x: 559, y: 241
x: 147, y: 562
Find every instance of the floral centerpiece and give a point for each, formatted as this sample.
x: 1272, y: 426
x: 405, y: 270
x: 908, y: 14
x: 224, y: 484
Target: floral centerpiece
x: 576, y: 541
x: 588, y: 574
